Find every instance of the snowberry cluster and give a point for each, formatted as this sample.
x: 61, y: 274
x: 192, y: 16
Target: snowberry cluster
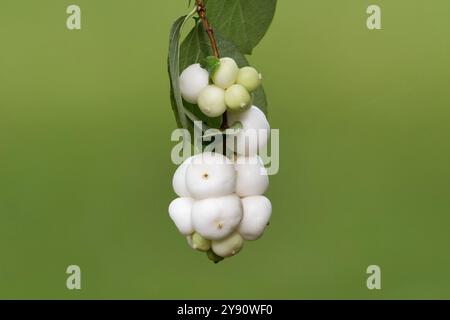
x: 231, y: 87
x: 221, y: 202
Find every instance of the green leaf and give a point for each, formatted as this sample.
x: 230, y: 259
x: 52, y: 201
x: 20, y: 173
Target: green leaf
x: 213, y: 257
x: 174, y: 72
x: 180, y: 107
x: 197, y: 47
x: 211, y: 64
x: 245, y: 22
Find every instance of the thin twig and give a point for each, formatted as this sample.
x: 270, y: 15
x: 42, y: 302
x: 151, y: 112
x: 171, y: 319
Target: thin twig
x: 201, y: 10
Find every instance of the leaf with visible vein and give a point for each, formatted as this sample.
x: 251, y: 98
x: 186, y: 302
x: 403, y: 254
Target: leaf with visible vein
x: 174, y: 71
x: 245, y: 22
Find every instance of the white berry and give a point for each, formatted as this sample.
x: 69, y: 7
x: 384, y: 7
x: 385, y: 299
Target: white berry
x: 237, y: 98
x: 211, y: 101
x: 179, y: 179
x: 251, y: 176
x: 228, y: 246
x: 257, y: 212
x: 180, y: 213
x: 255, y: 131
x: 210, y: 175
x: 192, y: 81
x: 226, y: 74
x: 216, y: 218
x: 249, y: 78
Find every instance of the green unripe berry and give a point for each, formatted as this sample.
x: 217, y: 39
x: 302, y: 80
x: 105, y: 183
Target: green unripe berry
x: 199, y: 243
x: 211, y: 101
x: 229, y: 246
x: 249, y: 78
x: 225, y: 76
x: 213, y: 257
x: 237, y: 98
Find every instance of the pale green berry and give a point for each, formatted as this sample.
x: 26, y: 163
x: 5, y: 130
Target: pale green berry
x: 229, y: 246
x: 225, y: 76
x: 211, y: 101
x: 237, y: 98
x: 199, y: 243
x: 249, y: 78
x: 189, y: 241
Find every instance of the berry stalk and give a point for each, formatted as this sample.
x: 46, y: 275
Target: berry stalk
x: 201, y: 10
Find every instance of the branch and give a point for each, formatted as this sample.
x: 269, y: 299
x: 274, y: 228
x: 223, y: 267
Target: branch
x: 201, y: 10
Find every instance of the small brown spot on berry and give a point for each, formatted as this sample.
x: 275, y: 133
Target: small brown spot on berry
x: 205, y: 176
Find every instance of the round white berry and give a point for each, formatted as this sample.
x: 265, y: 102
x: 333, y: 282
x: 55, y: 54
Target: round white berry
x: 249, y: 78
x: 254, y: 133
x: 228, y: 246
x: 251, y: 176
x: 237, y: 98
x: 180, y: 213
x: 226, y: 74
x: 179, y: 179
x: 216, y: 218
x: 192, y: 81
x: 257, y: 212
x: 211, y: 101
x: 210, y: 175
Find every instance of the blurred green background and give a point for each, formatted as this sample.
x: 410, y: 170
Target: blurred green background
x: 85, y: 170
